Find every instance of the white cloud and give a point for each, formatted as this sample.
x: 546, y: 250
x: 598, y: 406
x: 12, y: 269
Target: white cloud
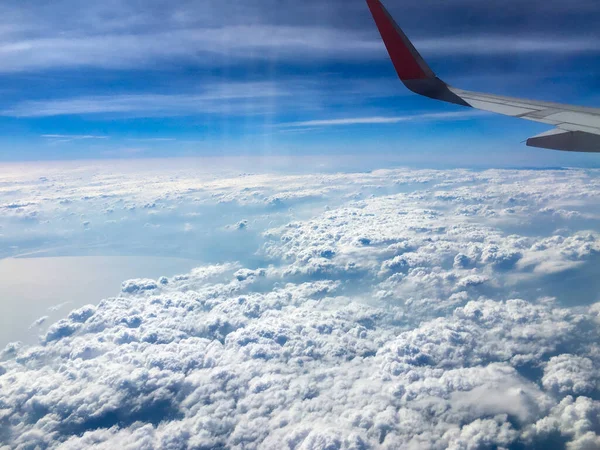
x: 570, y: 374
x: 498, y: 45
x: 208, y: 44
x: 384, y: 120
x: 39, y: 322
x: 200, y: 45
x: 156, y: 139
x: 573, y: 419
x: 225, y: 364
x: 215, y: 98
x: 72, y: 136
x: 390, y: 309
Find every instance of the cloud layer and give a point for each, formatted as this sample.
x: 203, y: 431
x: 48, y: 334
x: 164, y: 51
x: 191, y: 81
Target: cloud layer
x: 419, y: 309
x: 119, y: 35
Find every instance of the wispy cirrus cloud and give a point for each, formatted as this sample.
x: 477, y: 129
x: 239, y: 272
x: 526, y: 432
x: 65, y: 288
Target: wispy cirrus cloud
x: 230, y: 98
x: 63, y: 138
x: 156, y: 139
x: 200, y: 46
x: 237, y: 44
x: 455, y: 115
x: 497, y: 45
x: 120, y: 60
x: 73, y: 136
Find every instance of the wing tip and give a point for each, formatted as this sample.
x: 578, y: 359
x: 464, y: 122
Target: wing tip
x: 407, y: 61
x: 410, y: 66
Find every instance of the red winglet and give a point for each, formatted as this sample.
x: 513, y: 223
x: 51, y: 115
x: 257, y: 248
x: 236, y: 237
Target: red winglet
x: 407, y: 61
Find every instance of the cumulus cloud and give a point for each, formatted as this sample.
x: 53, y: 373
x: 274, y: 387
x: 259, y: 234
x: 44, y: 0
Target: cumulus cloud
x: 230, y: 364
x: 406, y: 309
x: 570, y: 374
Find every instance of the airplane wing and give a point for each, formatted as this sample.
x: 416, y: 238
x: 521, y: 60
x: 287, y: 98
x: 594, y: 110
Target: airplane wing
x: 576, y: 128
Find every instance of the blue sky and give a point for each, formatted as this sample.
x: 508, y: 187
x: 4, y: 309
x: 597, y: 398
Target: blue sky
x: 123, y: 79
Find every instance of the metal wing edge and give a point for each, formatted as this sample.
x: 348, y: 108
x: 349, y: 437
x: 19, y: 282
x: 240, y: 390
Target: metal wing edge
x: 413, y: 71
x: 570, y: 141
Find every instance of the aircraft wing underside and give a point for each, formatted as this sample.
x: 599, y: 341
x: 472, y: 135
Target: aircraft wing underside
x: 577, y: 128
